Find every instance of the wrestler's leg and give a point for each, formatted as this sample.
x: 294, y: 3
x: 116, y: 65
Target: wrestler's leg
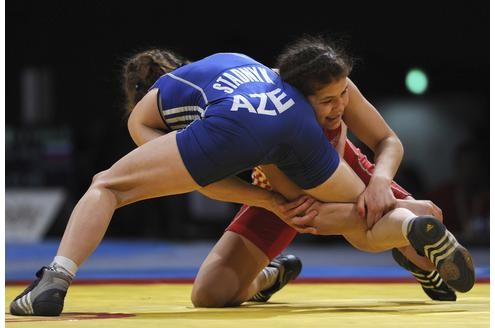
x: 152, y: 170
x: 230, y: 274
x: 384, y: 235
x: 400, y: 227
x: 345, y: 186
x: 254, y: 237
x: 342, y: 186
x: 419, y: 208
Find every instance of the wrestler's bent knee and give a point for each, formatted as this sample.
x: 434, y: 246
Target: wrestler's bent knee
x: 209, y: 297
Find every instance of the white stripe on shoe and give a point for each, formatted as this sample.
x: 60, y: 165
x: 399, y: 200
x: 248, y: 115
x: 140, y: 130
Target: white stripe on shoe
x: 29, y: 303
x: 24, y: 304
x: 448, y: 248
x: 431, y: 280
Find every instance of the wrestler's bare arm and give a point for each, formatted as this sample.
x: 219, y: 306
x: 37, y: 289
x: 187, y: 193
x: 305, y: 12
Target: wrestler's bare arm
x: 369, y: 126
x: 144, y: 122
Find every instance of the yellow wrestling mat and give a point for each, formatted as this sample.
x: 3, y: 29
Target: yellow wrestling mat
x: 297, y: 305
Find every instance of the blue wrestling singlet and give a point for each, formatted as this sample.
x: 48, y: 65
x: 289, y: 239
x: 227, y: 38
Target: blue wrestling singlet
x: 249, y: 116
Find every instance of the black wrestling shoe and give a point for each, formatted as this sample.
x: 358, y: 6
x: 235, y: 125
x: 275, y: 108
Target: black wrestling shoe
x: 289, y: 267
x: 453, y: 262
x: 431, y: 282
x: 45, y: 296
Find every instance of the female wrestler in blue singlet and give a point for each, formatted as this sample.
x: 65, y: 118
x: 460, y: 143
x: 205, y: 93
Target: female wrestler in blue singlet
x: 250, y: 117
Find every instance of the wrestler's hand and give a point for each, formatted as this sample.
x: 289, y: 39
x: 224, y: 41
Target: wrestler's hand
x: 303, y: 215
x: 295, y: 209
x: 285, y: 209
x: 376, y: 200
x: 329, y: 219
x: 307, y: 222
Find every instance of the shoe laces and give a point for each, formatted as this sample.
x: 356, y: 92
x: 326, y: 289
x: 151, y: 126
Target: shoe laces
x: 39, y: 275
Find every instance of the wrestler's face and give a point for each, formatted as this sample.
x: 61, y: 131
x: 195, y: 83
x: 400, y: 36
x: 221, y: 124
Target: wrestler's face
x: 329, y: 103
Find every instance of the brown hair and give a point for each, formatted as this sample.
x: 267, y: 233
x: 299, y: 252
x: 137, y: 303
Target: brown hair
x: 309, y: 63
x: 141, y: 70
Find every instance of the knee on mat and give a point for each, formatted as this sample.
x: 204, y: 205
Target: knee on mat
x: 210, y: 298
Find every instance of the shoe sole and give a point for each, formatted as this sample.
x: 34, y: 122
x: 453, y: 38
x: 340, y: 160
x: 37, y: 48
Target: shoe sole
x: 457, y: 270
x: 453, y: 261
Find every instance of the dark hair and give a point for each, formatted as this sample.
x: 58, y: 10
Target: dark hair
x: 309, y: 63
x: 142, y: 70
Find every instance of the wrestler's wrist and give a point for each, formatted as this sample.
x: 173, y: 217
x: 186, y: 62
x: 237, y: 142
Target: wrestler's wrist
x: 381, y: 178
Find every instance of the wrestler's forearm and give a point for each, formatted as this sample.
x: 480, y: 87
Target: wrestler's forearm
x: 388, y: 156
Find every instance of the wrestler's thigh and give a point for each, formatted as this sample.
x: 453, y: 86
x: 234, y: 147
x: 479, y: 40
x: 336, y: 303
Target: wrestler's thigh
x: 342, y: 186
x: 151, y: 170
x: 264, y: 229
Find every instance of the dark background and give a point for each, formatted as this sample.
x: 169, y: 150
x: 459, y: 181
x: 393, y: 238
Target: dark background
x: 81, y: 46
